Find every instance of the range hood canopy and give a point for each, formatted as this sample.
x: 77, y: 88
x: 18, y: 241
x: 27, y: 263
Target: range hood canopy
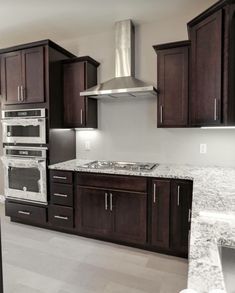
x: 124, y: 84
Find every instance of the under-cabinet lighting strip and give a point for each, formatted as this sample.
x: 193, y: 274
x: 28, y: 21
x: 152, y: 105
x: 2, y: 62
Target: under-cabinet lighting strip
x: 218, y: 127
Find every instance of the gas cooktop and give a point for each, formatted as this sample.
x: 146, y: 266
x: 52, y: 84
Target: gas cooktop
x: 128, y: 166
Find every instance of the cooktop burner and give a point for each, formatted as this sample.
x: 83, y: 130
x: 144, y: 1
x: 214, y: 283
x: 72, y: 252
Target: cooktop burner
x: 128, y: 166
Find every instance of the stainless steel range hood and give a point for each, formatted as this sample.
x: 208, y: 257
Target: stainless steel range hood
x: 124, y: 84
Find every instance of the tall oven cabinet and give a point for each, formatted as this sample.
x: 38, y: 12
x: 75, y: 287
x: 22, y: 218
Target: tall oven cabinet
x: 33, y: 125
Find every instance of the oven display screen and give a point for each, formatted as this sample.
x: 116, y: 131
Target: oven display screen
x: 31, y: 113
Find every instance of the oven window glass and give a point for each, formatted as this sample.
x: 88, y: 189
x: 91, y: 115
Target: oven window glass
x: 23, y: 131
x: 27, y: 179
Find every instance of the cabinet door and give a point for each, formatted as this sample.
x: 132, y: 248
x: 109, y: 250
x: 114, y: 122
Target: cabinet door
x: 206, y: 89
x: 11, y: 77
x: 173, y: 87
x: 93, y: 215
x: 129, y: 216
x: 33, y: 75
x: 181, y: 202
x: 160, y: 203
x: 74, y: 104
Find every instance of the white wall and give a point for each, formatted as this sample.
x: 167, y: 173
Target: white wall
x: 127, y: 128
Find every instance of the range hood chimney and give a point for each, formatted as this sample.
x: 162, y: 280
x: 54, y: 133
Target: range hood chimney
x: 124, y: 84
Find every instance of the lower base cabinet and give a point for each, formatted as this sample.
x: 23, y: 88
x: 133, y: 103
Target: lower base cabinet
x: 60, y: 216
x: 181, y: 207
x: 171, y: 204
x: 160, y: 213
x: 26, y: 212
x: 129, y: 216
x: 93, y: 215
x: 150, y: 213
x: 118, y: 215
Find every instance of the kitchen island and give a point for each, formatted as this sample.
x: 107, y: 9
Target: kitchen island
x: 213, y: 215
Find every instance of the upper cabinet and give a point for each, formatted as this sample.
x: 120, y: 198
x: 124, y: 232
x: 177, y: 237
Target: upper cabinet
x: 172, y: 80
x: 196, y: 77
x: 78, y: 75
x: 31, y: 77
x: 212, y: 100
x: 23, y: 76
x: 206, y: 70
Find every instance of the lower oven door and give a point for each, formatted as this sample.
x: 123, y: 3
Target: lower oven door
x: 25, y: 179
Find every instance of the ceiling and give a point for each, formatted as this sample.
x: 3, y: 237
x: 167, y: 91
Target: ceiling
x: 28, y: 20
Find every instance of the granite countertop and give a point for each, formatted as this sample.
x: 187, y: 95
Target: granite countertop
x: 213, y: 215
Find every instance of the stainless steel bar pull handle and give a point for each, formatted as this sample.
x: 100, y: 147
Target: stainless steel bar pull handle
x: 60, y: 177
x: 18, y: 93
x: 60, y: 195
x: 178, y: 195
x: 22, y: 93
x: 215, y: 109
x: 111, y: 202
x: 81, y: 117
x: 61, y: 218
x: 106, y: 201
x: 161, y: 114
x: 189, y: 215
x: 24, y: 213
x: 154, y: 193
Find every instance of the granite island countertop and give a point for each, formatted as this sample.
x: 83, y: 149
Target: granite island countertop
x: 213, y: 215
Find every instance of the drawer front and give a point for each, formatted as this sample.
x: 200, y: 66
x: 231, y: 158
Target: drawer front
x: 61, y: 216
x: 61, y: 176
x: 62, y: 194
x: 26, y: 212
x: 131, y: 183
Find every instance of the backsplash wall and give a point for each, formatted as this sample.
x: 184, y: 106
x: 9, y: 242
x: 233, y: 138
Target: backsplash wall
x: 127, y: 127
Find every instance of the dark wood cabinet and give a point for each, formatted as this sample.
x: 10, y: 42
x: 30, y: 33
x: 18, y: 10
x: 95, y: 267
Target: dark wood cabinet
x: 31, y: 78
x: 212, y: 93
x: 129, y: 212
x: 61, y: 194
x: 119, y: 215
x: 173, y: 84
x: 171, y: 204
x: 79, y: 74
x: 60, y: 216
x: 26, y: 212
x: 160, y: 213
x: 181, y: 206
x: 33, y: 68
x: 11, y: 77
x: 113, y: 206
x: 206, y: 71
x: 22, y: 76
x: 93, y: 215
x: 150, y: 213
x: 61, y: 202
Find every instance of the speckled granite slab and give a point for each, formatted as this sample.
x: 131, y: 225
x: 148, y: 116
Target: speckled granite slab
x: 213, y: 215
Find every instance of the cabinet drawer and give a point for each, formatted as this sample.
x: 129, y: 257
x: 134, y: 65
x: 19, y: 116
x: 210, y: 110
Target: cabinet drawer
x: 62, y: 194
x: 61, y: 176
x: 26, y: 212
x: 61, y: 216
x: 112, y: 182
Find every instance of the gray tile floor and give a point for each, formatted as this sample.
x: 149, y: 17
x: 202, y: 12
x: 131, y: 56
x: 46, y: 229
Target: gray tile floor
x: 41, y: 261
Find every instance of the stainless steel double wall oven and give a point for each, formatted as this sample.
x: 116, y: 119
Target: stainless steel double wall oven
x: 25, y: 154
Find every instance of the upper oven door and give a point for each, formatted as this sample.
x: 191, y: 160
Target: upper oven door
x: 24, y: 130
x: 25, y: 178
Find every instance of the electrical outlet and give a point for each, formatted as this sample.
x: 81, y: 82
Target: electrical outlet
x: 87, y: 145
x: 203, y: 148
